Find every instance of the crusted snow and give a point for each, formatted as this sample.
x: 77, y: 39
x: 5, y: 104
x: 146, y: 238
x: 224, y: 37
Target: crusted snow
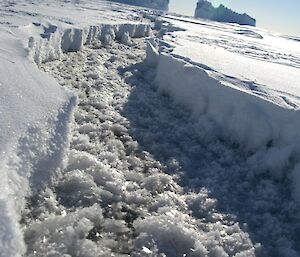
x: 122, y: 164
x: 167, y: 153
x: 243, y: 57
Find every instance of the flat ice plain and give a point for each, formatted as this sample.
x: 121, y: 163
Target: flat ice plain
x: 128, y: 132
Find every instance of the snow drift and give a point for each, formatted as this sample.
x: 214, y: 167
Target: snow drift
x: 206, y: 10
x: 268, y: 132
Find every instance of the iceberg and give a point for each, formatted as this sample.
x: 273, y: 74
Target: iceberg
x: 158, y: 4
x: 206, y: 10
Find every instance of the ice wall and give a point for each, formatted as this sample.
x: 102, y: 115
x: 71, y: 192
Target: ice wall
x: 154, y: 4
x: 206, y: 10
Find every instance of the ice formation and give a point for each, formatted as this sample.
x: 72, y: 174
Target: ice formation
x: 206, y: 10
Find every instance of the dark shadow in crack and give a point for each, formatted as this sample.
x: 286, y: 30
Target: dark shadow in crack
x: 188, y: 147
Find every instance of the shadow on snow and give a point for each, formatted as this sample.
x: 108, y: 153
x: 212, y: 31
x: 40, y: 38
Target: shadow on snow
x: 189, y: 148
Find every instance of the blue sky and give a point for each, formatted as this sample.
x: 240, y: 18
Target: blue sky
x: 277, y: 15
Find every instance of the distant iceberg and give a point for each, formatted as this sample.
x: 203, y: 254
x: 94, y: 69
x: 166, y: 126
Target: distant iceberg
x: 206, y: 10
x: 154, y: 4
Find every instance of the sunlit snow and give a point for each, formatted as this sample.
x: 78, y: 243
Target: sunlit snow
x: 129, y: 132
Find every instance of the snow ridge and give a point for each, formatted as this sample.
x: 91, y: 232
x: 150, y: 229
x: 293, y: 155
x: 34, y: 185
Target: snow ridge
x: 270, y: 132
x: 71, y: 40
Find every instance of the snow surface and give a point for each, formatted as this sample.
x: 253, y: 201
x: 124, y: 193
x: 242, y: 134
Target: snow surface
x: 259, y: 111
x: 145, y: 149
x: 35, y: 111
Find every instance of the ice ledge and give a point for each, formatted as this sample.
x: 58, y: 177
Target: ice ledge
x: 51, y: 45
x: 269, y: 133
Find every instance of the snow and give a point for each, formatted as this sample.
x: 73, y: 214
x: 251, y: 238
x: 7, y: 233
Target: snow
x: 242, y: 118
x: 258, y: 111
x: 35, y: 112
x: 117, y: 140
x: 112, y: 163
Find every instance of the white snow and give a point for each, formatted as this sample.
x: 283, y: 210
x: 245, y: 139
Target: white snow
x: 35, y: 115
x: 115, y: 153
x: 250, y: 121
x: 35, y: 111
x: 259, y: 109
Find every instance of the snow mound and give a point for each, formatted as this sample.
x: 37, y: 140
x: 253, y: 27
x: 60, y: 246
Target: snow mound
x: 222, y: 14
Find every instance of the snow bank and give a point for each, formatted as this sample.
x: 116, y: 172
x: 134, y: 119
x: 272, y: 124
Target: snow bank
x: 35, y: 114
x: 270, y: 133
x: 154, y: 4
x: 35, y: 111
x: 51, y: 46
x: 206, y: 10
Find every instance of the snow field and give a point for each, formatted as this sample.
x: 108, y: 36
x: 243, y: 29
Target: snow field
x: 114, y: 197
x: 159, y: 164
x: 145, y: 178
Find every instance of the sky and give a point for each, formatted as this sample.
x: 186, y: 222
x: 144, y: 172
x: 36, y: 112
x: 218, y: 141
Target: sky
x: 277, y: 15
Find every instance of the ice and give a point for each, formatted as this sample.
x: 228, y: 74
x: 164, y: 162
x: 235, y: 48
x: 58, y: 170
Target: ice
x: 128, y: 144
x: 206, y: 10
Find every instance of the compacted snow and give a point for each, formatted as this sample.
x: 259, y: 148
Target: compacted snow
x: 117, y: 140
